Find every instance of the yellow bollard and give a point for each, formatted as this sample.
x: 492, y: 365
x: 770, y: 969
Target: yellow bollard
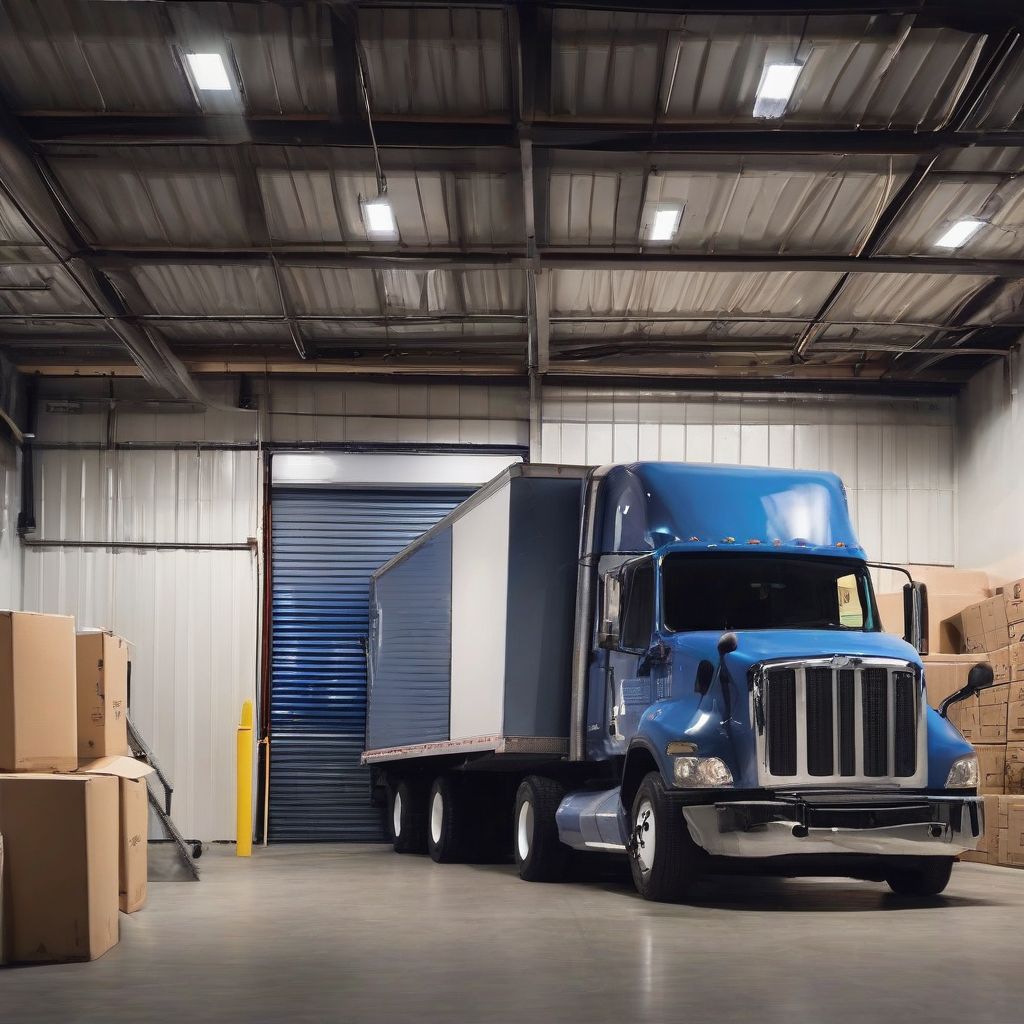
x: 243, y: 825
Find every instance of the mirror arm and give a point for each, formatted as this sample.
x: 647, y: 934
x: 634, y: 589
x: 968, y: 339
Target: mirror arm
x: 954, y: 698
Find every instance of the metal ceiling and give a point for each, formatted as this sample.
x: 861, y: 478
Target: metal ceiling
x: 147, y: 226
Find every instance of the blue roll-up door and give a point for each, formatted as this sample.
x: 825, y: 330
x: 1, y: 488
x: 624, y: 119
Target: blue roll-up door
x: 325, y: 544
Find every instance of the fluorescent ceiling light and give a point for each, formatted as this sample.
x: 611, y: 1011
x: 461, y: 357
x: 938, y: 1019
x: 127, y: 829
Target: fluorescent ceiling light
x: 665, y: 223
x: 959, y: 233
x: 208, y: 72
x: 379, y: 218
x: 777, y: 84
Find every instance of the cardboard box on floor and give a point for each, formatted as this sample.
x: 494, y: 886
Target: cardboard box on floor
x: 987, y: 851
x: 133, y: 826
x: 38, y: 727
x: 60, y: 871
x: 102, y: 670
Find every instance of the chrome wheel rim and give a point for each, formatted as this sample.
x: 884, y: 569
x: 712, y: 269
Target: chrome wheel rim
x: 436, y: 816
x: 396, y: 815
x: 645, y: 835
x: 524, y: 830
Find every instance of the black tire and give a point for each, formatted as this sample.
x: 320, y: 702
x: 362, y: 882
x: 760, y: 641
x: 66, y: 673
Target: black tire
x: 407, y: 817
x: 447, y: 820
x: 540, y: 855
x: 927, y: 877
x: 662, y: 856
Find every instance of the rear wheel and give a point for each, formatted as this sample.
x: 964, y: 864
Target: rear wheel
x: 927, y: 878
x: 662, y: 856
x: 447, y: 821
x: 540, y: 854
x: 408, y: 817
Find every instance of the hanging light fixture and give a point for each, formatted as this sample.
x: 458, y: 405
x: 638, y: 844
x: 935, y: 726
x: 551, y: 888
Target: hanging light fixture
x: 379, y: 220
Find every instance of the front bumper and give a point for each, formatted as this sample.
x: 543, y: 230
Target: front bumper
x: 839, y: 823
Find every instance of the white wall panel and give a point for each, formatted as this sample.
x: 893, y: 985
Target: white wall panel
x: 191, y: 619
x: 191, y: 616
x: 990, y: 439
x: 897, y: 457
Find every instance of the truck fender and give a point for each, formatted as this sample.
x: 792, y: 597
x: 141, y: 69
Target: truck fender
x: 640, y: 761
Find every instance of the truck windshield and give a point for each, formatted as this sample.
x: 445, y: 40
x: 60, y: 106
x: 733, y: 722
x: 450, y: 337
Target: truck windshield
x: 720, y: 591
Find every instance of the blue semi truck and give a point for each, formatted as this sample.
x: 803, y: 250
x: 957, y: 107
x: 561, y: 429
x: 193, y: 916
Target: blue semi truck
x: 682, y: 664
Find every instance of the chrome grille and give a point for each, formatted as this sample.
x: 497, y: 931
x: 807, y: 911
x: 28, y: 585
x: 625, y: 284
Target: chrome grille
x: 839, y: 720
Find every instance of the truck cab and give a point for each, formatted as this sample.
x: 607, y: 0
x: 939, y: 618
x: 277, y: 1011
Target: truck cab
x: 737, y: 672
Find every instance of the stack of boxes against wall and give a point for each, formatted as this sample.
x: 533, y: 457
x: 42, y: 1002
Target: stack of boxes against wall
x: 73, y: 804
x: 968, y: 623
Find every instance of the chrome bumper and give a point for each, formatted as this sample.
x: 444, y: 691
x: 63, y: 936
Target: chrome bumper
x: 922, y: 827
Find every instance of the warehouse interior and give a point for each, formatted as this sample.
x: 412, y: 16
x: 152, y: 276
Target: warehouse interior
x: 284, y: 282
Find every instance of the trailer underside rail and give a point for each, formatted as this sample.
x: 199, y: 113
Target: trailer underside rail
x: 555, y: 745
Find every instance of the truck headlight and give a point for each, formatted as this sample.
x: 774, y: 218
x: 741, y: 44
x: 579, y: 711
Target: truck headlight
x: 964, y: 773
x: 701, y: 772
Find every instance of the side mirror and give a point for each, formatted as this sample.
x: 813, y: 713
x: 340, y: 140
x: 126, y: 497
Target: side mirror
x: 658, y: 653
x: 915, y: 616
x: 727, y: 643
x: 981, y: 677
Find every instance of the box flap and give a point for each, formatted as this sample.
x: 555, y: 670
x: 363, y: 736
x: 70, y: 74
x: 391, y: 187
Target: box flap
x: 117, y: 764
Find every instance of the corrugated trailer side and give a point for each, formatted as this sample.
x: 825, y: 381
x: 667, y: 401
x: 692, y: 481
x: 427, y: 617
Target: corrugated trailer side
x: 471, y: 627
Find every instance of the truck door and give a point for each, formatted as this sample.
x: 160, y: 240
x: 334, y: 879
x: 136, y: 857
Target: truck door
x: 634, y: 679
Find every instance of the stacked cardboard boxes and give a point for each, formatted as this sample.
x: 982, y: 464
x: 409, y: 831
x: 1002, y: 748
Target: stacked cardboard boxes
x: 70, y: 826
x: 967, y: 624
x: 992, y: 630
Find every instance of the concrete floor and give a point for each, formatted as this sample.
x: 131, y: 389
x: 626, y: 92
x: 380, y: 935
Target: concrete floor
x: 357, y: 933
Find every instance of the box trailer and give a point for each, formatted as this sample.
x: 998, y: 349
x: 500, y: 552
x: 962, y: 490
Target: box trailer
x: 682, y: 664
x: 471, y: 626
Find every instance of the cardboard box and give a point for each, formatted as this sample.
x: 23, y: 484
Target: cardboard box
x: 1015, y: 722
x: 1013, y: 594
x: 1011, y: 838
x: 972, y: 629
x: 133, y: 826
x: 991, y: 767
x: 60, y: 872
x: 996, y: 639
x: 38, y: 727
x: 1015, y: 655
x: 999, y: 659
x: 102, y: 663
x: 1013, y: 768
x: 993, y: 614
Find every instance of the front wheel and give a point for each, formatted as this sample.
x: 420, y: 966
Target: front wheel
x: 662, y: 856
x: 923, y: 879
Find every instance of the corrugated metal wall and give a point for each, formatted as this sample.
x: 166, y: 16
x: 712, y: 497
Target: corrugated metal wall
x: 897, y: 458
x: 193, y: 615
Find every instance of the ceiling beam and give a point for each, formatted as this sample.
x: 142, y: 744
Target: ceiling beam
x: 216, y: 130
x: 29, y: 188
x: 559, y: 259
